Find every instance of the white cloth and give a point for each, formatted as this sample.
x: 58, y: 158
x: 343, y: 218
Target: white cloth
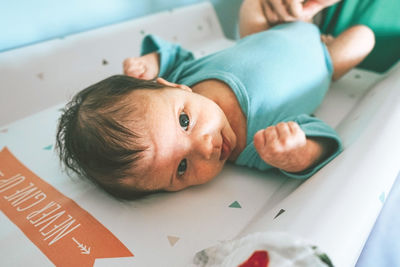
x: 274, y: 249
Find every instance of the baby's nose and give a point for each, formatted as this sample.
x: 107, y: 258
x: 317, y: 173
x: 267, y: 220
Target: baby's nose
x: 204, y: 146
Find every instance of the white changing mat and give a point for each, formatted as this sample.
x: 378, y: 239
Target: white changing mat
x: 168, y: 229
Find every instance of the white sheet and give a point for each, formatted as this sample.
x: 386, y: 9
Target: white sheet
x: 168, y: 229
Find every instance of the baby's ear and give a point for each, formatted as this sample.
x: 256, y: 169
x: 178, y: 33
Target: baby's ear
x: 175, y: 85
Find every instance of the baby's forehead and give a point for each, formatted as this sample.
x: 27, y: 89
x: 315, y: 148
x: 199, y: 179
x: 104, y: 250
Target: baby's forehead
x: 143, y: 174
x: 145, y: 101
x: 153, y: 170
x: 140, y: 98
x: 139, y: 105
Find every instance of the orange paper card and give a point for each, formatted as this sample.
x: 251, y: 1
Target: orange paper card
x: 64, y: 232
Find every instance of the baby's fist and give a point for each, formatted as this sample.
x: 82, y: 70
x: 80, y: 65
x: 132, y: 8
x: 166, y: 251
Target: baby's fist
x: 282, y: 146
x: 144, y: 67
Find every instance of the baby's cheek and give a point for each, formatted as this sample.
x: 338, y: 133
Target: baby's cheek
x: 207, y: 172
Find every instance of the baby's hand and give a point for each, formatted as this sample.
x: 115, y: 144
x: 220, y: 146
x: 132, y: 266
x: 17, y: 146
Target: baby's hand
x: 284, y: 146
x: 145, y: 67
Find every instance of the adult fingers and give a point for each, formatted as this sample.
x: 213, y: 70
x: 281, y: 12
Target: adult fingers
x: 294, y: 8
x: 279, y: 7
x: 272, y: 17
x: 311, y: 8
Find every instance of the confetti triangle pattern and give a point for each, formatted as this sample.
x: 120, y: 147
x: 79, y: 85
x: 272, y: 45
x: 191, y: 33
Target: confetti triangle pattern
x: 172, y: 240
x: 40, y: 75
x: 382, y: 197
x: 48, y: 147
x: 279, y: 213
x: 235, y: 205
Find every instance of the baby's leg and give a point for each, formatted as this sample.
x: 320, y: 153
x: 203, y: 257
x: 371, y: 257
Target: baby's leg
x: 349, y: 48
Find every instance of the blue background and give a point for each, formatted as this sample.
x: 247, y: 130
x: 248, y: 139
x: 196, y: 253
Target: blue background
x: 24, y: 22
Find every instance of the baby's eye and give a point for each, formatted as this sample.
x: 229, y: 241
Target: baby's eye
x: 184, y: 121
x: 182, y: 167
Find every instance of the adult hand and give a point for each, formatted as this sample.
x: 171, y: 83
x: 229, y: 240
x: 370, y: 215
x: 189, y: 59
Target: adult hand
x: 145, y: 67
x: 278, y: 11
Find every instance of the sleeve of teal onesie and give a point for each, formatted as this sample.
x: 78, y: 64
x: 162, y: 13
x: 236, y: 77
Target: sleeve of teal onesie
x: 171, y: 55
x: 314, y: 127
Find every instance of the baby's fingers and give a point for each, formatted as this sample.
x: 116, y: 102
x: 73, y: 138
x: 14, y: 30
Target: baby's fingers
x: 284, y: 132
x: 290, y: 135
x: 265, y: 137
x: 127, y: 63
x: 134, y: 67
x: 298, y: 134
x: 259, y: 140
x: 295, y: 128
x: 136, y: 71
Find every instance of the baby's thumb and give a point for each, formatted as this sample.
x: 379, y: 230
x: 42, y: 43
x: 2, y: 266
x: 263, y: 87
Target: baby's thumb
x: 259, y: 140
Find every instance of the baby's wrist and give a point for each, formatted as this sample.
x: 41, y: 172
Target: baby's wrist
x: 314, y: 153
x: 307, y: 157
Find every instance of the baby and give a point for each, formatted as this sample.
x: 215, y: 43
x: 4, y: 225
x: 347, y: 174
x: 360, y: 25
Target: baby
x: 173, y: 121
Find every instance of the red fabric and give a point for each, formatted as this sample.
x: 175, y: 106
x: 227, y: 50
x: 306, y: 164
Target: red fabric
x: 259, y: 258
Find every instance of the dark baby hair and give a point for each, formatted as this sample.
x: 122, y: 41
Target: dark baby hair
x: 92, y: 140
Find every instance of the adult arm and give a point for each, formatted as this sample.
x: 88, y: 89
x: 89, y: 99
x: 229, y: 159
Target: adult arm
x: 260, y: 15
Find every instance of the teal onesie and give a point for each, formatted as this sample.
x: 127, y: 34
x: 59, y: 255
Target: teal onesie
x: 278, y: 75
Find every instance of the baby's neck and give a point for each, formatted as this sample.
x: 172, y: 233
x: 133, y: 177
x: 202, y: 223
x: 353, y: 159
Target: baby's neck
x: 223, y: 96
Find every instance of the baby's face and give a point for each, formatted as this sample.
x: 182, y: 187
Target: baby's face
x: 190, y: 139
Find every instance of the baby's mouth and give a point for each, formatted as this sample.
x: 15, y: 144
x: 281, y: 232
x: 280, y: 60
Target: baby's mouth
x: 225, y: 149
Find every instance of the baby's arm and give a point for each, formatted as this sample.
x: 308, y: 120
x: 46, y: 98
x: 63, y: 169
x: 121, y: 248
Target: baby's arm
x: 145, y: 67
x: 286, y: 147
x: 159, y: 58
